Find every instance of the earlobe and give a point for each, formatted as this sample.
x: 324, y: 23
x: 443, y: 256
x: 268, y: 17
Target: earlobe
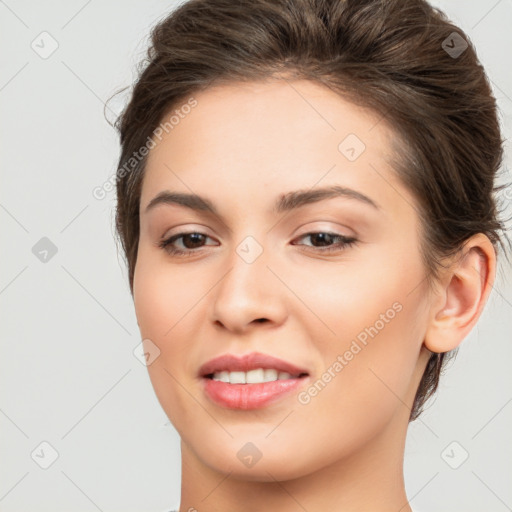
x: 462, y: 295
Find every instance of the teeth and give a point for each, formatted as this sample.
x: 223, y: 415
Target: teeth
x: 256, y: 376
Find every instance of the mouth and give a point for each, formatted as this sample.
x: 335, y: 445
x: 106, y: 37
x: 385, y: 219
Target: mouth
x: 250, y: 369
x: 250, y: 382
x: 256, y: 376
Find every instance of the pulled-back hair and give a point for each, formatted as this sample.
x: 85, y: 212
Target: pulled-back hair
x: 403, y: 60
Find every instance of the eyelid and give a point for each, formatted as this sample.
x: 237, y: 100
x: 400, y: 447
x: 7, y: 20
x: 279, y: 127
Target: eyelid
x: 186, y: 228
x: 326, y: 226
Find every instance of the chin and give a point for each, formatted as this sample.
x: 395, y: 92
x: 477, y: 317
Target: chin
x: 258, y: 460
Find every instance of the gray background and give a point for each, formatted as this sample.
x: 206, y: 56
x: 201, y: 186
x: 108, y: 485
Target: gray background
x: 68, y: 373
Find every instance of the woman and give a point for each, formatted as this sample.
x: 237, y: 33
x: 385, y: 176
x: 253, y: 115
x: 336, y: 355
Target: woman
x: 305, y: 203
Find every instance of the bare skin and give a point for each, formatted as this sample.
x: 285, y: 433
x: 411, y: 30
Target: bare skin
x: 243, y: 147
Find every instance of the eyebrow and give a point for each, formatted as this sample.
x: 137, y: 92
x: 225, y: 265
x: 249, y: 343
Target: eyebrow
x: 286, y: 202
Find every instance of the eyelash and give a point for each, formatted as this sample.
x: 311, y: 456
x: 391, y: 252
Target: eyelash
x: 345, y: 242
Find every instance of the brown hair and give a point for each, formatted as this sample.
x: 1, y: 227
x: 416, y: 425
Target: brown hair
x: 400, y: 59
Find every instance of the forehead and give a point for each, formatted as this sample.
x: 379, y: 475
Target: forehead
x: 291, y: 134
x: 277, y: 113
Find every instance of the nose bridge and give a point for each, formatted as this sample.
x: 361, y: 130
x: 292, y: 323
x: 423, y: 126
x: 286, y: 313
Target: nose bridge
x: 248, y: 289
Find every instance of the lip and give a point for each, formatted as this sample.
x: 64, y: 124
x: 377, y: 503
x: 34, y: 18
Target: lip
x: 247, y: 362
x: 250, y: 396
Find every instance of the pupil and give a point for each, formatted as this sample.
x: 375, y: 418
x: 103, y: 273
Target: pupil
x: 196, y: 239
x: 322, y: 237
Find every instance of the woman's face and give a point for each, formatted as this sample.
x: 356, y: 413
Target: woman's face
x: 272, y: 270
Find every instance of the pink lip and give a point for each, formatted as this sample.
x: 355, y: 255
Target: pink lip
x: 249, y: 396
x: 231, y: 363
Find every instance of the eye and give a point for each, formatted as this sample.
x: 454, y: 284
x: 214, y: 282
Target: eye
x: 190, y: 241
x: 327, y: 241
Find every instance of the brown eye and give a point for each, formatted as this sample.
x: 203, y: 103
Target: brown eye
x: 328, y: 241
x: 189, y: 242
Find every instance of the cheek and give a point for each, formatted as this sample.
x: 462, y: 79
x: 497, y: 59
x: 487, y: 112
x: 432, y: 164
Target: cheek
x: 149, y: 301
x: 375, y: 325
x: 163, y: 297
x: 167, y: 304
x: 362, y: 386
x: 354, y: 299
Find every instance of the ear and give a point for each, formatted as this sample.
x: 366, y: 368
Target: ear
x: 462, y: 293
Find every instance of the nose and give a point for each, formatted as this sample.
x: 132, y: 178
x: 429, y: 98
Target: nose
x: 247, y: 294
